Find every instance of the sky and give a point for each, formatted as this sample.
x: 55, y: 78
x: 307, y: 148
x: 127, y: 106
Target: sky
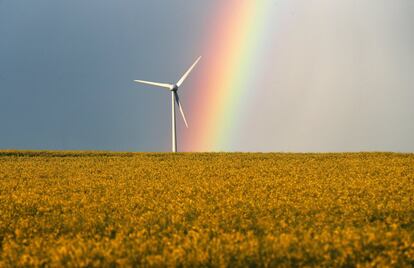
x: 276, y: 75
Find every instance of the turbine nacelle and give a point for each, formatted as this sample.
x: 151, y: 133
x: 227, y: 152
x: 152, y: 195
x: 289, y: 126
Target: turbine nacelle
x: 174, y: 88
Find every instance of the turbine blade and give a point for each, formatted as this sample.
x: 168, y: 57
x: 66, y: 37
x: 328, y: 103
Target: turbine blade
x: 155, y: 84
x: 177, y: 100
x: 188, y: 72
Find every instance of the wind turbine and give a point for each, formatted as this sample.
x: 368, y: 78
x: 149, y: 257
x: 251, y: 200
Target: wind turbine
x: 174, y: 99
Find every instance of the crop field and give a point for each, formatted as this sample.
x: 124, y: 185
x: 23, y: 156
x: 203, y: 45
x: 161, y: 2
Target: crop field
x: 209, y: 209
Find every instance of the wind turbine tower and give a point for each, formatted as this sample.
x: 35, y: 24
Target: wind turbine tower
x: 173, y: 88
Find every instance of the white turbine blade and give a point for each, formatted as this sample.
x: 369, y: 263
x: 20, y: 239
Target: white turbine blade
x: 177, y: 99
x: 154, y: 84
x: 188, y: 72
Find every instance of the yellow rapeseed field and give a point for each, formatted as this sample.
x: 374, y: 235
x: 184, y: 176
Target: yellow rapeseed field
x: 209, y: 209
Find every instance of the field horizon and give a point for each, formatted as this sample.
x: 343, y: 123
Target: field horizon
x: 105, y: 209
x: 80, y: 152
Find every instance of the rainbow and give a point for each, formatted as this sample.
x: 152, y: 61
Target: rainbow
x: 233, y: 48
